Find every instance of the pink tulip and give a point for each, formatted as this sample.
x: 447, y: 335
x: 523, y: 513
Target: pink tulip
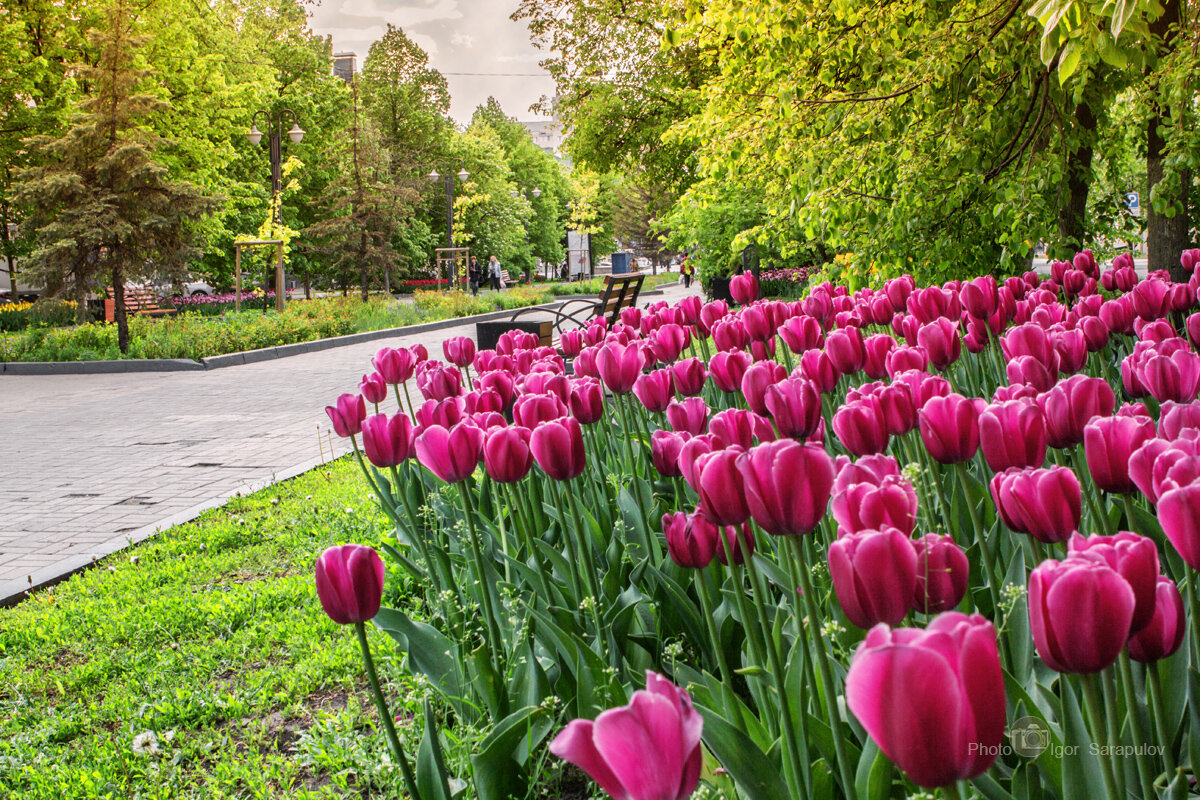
x: 758, y: 378
x: 846, y: 350
x: 349, y: 581
x: 688, y: 416
x: 787, y: 486
x: 868, y: 469
x: 738, y: 427
x: 889, y: 503
x: 979, y: 296
x: 903, y: 359
x: 439, y: 382
x: 619, y: 366
x: 1045, y: 503
x: 728, y: 368
x: 531, y: 410
x: 690, y: 460
x: 388, y: 442
x: 1175, y: 377
x: 395, y: 365
x: 669, y: 341
x: 571, y: 343
x: 941, y: 342
x: 860, y: 426
x: 1179, y: 513
x: 655, y: 390
x: 876, y: 350
x: 818, y: 367
x: 373, y: 388
x: 347, y: 414
x: 664, y: 452
x: 689, y: 375
x: 1177, y: 418
x: 711, y: 314
x: 1108, y: 444
x: 557, y: 448
x: 950, y: 427
x: 942, y: 574
x: 506, y: 454
x: 1134, y: 557
x: 1071, y: 405
x: 743, y: 288
x: 647, y: 750
x: 482, y: 402
x: 1012, y: 434
x: 722, y: 486
x: 801, y: 334
x: 933, y: 700
x: 1163, y: 634
x: 874, y: 575
x: 795, y: 406
x: 451, y: 454
x: 689, y: 545
x: 1080, y: 613
x: 587, y: 400
x: 459, y: 350
x: 1149, y: 299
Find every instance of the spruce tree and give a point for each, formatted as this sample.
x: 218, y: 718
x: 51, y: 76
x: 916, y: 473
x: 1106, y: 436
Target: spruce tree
x: 99, y: 206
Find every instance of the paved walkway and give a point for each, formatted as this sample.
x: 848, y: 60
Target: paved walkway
x: 92, y: 463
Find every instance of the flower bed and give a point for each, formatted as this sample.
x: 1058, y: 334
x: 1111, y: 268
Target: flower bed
x: 716, y: 500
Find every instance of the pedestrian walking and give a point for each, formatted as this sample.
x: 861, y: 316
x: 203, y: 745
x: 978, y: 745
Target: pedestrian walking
x: 494, y: 272
x: 474, y: 275
x: 685, y: 270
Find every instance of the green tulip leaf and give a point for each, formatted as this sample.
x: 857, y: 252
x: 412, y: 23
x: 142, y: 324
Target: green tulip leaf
x: 757, y: 776
x: 500, y: 770
x: 432, y: 778
x: 430, y: 653
x: 873, y: 779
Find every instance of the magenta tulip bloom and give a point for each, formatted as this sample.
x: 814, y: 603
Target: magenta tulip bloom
x: 531, y: 410
x: 899, y: 414
x: 1028, y: 370
x: 459, y: 350
x: 1045, y: 503
x: 739, y: 539
x: 690, y: 458
x: 1012, y: 434
x: 861, y: 426
x: 1080, y: 613
x: 499, y: 382
x: 787, y: 486
x: 727, y: 369
x: 801, y: 334
x: 941, y: 342
x: 795, y: 405
x: 388, y: 442
x: 846, y: 350
x: 647, y: 750
x: 350, y: 583
x: 1172, y: 377
x: 721, y: 485
x: 451, y: 454
x: 571, y: 343
x: 942, y: 574
x: 758, y: 378
x: 689, y: 375
x: 688, y: 416
x: 689, y: 545
x: 903, y: 359
x: 655, y: 390
x: 817, y: 366
x: 737, y: 426
x: 669, y: 341
x: 933, y: 700
x: 874, y: 576
x: 950, y: 427
x: 373, y: 388
x: 506, y: 454
x: 664, y: 452
x: 743, y: 288
x: 347, y: 414
x: 439, y: 382
x: 1108, y: 444
x: 619, y: 366
x: 396, y: 365
x: 1071, y: 405
x: 1134, y: 557
x: 558, y: 448
x: 1163, y: 634
x: 587, y: 400
x: 890, y: 503
x: 730, y: 334
x: 1179, y: 513
x: 877, y: 348
x: 1176, y: 418
x: 868, y: 469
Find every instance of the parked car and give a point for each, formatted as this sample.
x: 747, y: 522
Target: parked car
x: 190, y: 287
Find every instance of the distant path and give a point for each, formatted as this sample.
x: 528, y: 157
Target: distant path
x: 89, y: 463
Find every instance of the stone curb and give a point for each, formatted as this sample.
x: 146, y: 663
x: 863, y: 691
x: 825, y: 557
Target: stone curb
x: 254, y: 356
x: 14, y: 591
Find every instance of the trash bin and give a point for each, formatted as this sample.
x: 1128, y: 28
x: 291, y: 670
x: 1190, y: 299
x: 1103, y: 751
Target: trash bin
x: 620, y: 263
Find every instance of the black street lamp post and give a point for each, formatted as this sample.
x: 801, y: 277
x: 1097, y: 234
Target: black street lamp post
x: 274, y: 126
x: 448, y: 179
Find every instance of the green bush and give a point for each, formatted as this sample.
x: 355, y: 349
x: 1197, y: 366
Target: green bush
x: 49, y: 312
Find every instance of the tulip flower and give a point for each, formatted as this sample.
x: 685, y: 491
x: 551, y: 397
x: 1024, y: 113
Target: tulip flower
x: 1029, y: 370
x: 1172, y: 377
x: 721, y: 485
x: 373, y: 388
x: 876, y: 350
x: 1149, y: 299
x: 1045, y: 503
x: 688, y: 416
x: 1163, y: 634
x: 459, y: 350
x: 388, y: 442
x: 655, y: 390
x: 1108, y: 444
x: 757, y: 320
x: 818, y: 367
x: 349, y: 581
x: 1134, y: 557
x: 801, y: 334
x: 795, y: 406
x: 1150, y: 463
x: 1071, y: 405
x: 558, y: 448
x: 940, y: 341
x: 846, y: 350
x: 506, y: 454
x: 647, y: 750
x: 890, y: 503
x: 439, y: 382
x: 571, y: 343
x: 861, y: 426
x: 710, y: 315
x: 731, y: 334
x: 690, y: 460
x: 531, y: 410
x: 942, y: 574
x: 979, y: 296
x: 1179, y: 513
x: 689, y: 545
x: 1176, y: 418
x: 664, y: 452
x: 669, y: 341
x: 587, y: 400
x: 1012, y: 434
x: 585, y: 363
x: 689, y: 309
x: 758, y: 378
x: 738, y: 539
x: 874, y: 575
x: 444, y: 413
x: 689, y: 375
x: 787, y: 486
x: 396, y: 365
x: 933, y: 700
x: 899, y: 414
x: 950, y: 427
x: 347, y: 414
x: 743, y: 288
x: 451, y: 454
x: 906, y: 358
x: 736, y: 426
x: 1080, y: 613
x: 727, y: 369
x: 619, y: 366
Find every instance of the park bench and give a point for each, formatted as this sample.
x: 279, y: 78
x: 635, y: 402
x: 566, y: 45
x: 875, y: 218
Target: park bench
x: 141, y: 302
x: 620, y: 292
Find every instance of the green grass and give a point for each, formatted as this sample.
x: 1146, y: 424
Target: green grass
x: 209, y: 636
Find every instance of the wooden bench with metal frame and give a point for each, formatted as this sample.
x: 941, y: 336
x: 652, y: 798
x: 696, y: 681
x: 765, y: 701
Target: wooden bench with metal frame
x: 620, y: 292
x: 140, y: 302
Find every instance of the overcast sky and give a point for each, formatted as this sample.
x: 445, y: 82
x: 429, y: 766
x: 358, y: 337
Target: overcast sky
x: 461, y: 36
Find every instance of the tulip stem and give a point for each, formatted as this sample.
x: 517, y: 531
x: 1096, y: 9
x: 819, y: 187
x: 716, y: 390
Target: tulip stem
x: 739, y: 599
x: 1145, y: 774
x: 1108, y: 688
x: 525, y: 531
x: 1089, y: 488
x: 1095, y: 715
x: 826, y: 673
x: 706, y: 606
x: 985, y: 554
x: 389, y: 727
x: 951, y: 791
x: 485, y: 588
x: 1165, y: 741
x: 589, y: 566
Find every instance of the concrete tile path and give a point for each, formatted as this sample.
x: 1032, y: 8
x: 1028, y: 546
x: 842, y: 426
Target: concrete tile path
x: 92, y: 463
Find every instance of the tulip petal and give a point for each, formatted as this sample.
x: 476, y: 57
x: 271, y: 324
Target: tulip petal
x: 576, y: 744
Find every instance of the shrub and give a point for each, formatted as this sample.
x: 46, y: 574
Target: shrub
x: 48, y: 312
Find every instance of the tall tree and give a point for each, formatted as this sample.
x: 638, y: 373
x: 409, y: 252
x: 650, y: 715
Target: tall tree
x: 99, y: 203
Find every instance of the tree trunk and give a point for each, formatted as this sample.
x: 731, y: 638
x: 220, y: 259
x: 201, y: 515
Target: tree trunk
x: 1166, y: 236
x: 1072, y: 216
x: 307, y: 288
x: 387, y: 280
x: 362, y: 263
x: 118, y: 281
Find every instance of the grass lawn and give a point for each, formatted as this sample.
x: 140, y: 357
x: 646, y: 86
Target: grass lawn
x: 200, y: 665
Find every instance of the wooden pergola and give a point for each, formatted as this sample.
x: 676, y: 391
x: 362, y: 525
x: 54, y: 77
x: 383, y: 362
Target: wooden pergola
x: 280, y: 292
x: 449, y: 261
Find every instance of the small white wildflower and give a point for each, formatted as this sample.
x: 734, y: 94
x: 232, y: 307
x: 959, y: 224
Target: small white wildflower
x: 587, y: 604
x: 911, y: 471
x: 673, y: 650
x: 145, y: 743
x: 833, y: 628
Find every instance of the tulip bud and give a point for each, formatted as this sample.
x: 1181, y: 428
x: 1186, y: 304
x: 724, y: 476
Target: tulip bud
x: 721, y: 486
x: 619, y: 366
x: 1071, y: 405
x: 689, y: 545
x: 874, y: 576
x: 795, y: 405
x: 558, y: 448
x: 669, y: 341
x: 950, y: 427
x: 743, y: 288
x: 1045, y: 503
x: 459, y: 350
x: 1012, y: 434
x: 818, y: 367
x: 395, y: 365
x: 688, y: 416
x: 506, y: 454
x: 801, y: 334
x: 689, y: 375
x: 349, y: 581
x: 787, y: 486
x: 860, y: 426
x: 758, y: 378
x: 655, y: 390
x: 1080, y: 614
x: 664, y: 452
x: 846, y: 350
x: 451, y: 454
x: 347, y: 414
x: 373, y: 388
x: 388, y: 442
x: 1108, y: 444
x: 587, y: 400
x: 1134, y: 557
x: 941, y: 342
x: 942, y: 574
x: 728, y: 368
x: 1163, y: 634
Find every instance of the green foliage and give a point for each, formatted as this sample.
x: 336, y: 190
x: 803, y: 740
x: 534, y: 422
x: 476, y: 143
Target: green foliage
x: 45, y: 313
